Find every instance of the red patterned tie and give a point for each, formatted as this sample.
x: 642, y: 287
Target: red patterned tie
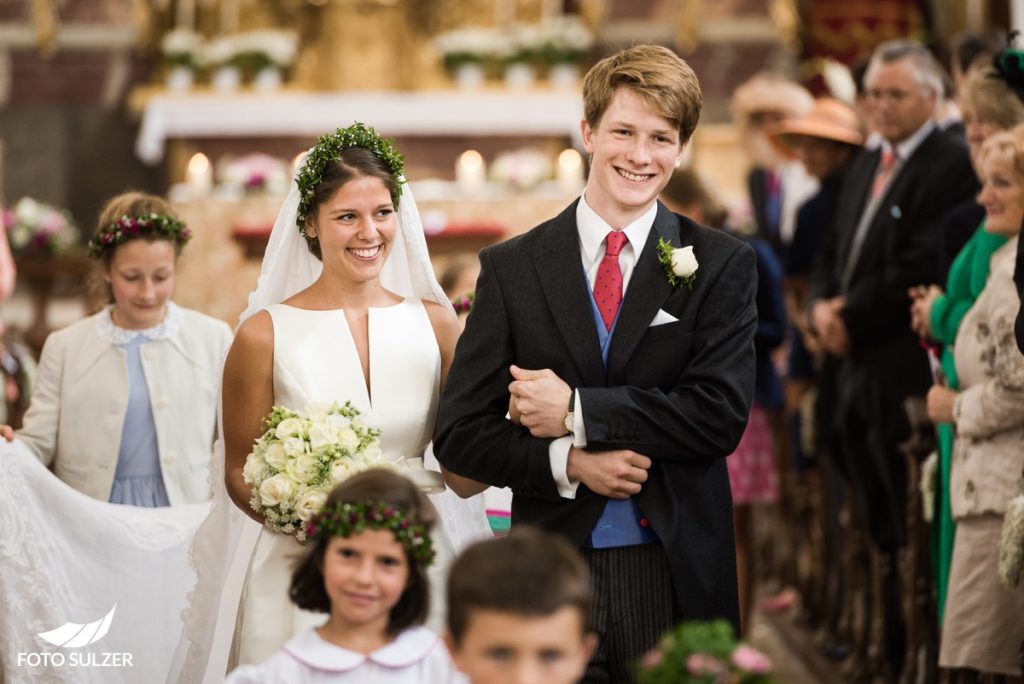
x: 884, y: 173
x: 608, y: 284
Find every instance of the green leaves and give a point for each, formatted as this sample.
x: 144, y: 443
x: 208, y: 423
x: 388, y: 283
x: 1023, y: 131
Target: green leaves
x: 329, y: 147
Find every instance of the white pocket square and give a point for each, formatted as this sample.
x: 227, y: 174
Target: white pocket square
x: 662, y: 317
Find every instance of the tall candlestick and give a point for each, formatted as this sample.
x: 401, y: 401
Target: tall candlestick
x: 186, y: 14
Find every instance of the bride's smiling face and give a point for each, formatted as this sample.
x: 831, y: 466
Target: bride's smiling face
x: 356, y: 227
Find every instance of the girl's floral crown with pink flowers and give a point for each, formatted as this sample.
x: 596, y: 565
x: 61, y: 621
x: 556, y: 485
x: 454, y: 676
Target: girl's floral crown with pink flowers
x: 153, y: 226
x: 345, y: 518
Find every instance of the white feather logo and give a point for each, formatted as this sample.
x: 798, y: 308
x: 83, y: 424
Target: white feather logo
x: 73, y: 635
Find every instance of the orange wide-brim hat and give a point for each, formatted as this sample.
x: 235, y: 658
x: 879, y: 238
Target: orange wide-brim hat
x: 829, y: 119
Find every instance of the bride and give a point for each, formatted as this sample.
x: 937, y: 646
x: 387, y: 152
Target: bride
x: 346, y: 309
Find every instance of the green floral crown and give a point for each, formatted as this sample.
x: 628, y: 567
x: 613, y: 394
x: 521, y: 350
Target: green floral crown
x: 128, y: 228
x: 329, y: 147
x: 344, y: 519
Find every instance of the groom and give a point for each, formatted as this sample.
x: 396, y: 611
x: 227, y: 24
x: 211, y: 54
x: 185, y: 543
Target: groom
x: 630, y: 382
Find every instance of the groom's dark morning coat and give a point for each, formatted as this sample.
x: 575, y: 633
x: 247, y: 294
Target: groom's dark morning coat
x: 678, y: 393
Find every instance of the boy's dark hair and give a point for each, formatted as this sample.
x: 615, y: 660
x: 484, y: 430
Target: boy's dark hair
x: 529, y: 573
x: 307, y: 589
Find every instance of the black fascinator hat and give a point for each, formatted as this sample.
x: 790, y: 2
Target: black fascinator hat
x: 1009, y: 64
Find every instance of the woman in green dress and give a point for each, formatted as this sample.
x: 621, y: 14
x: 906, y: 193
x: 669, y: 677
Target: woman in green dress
x: 992, y: 101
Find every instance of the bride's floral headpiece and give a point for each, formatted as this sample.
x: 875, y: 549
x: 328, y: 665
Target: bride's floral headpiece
x: 153, y: 226
x: 344, y: 519
x: 329, y: 147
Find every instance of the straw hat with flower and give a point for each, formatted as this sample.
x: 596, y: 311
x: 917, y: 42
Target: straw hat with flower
x: 829, y: 119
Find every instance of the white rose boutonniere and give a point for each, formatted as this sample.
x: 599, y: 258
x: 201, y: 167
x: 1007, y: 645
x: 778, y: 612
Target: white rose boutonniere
x: 680, y: 263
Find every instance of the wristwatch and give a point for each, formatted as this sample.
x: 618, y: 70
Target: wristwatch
x: 570, y: 417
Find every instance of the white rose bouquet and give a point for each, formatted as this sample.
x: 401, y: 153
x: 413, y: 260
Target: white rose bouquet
x: 294, y: 465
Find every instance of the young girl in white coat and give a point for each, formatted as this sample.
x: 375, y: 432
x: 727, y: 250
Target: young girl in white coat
x: 367, y: 570
x: 124, y: 409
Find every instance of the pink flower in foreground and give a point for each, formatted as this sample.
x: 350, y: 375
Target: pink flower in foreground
x: 701, y: 664
x: 653, y: 659
x: 751, y: 660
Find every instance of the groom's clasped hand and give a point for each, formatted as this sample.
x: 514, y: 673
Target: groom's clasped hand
x: 539, y: 400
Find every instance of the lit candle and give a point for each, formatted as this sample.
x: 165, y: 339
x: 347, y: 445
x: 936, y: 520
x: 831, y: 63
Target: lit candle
x: 570, y: 170
x: 470, y: 172
x: 200, y: 175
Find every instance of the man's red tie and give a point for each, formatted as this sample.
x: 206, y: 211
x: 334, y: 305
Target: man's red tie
x: 884, y: 172
x: 608, y: 284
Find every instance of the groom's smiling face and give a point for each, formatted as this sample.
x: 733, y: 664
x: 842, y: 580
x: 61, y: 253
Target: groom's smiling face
x: 356, y: 227
x: 634, y: 151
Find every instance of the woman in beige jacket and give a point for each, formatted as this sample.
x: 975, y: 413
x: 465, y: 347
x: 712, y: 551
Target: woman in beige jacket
x: 125, y: 404
x: 983, y: 628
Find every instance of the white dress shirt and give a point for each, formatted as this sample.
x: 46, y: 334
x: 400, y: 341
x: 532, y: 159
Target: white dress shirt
x: 592, y: 231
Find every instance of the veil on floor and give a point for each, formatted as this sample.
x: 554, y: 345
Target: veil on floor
x: 89, y: 591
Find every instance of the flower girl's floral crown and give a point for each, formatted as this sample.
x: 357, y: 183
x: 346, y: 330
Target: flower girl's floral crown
x: 152, y: 226
x: 329, y: 147
x: 344, y: 519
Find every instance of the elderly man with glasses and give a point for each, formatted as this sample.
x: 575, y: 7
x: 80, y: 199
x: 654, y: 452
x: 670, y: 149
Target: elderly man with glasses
x: 882, y: 242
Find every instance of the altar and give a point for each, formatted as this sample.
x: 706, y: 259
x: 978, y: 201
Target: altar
x: 304, y: 115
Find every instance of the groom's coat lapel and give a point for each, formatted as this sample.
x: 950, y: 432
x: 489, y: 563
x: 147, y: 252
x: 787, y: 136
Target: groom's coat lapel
x: 560, y: 270
x: 647, y: 290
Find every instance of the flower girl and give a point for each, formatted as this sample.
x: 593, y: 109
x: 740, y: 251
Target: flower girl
x: 371, y: 547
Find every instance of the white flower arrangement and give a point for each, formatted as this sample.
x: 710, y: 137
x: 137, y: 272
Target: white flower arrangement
x: 1011, y: 544
x: 269, y: 48
x: 565, y: 40
x: 182, y: 48
x: 221, y: 51
x: 466, y: 46
x: 35, y: 227
x: 523, y: 168
x: 522, y: 44
x: 302, y: 456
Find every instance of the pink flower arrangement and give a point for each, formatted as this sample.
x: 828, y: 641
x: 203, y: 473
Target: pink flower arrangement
x: 751, y: 660
x: 704, y: 653
x: 35, y: 227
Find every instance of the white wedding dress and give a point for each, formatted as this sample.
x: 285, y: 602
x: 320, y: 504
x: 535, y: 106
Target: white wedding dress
x: 243, y: 571
x: 315, y: 361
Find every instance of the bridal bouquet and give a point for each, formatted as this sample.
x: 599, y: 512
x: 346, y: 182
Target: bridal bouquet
x: 294, y: 465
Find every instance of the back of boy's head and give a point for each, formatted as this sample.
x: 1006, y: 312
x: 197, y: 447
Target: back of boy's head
x: 529, y: 573
x: 375, y: 485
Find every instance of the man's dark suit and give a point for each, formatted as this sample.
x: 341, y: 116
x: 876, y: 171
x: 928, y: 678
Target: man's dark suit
x: 886, y: 363
x: 678, y: 393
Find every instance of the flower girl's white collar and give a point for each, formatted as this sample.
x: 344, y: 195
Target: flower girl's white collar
x: 118, y: 336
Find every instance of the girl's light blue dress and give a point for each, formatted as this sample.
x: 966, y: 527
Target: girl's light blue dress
x: 138, y: 480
